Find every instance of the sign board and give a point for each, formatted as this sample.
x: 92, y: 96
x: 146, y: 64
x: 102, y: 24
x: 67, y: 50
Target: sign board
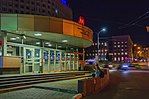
x: 1, y: 42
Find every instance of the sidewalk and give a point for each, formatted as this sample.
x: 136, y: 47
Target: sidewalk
x: 52, y: 90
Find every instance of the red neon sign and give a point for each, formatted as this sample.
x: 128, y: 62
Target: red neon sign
x: 81, y: 20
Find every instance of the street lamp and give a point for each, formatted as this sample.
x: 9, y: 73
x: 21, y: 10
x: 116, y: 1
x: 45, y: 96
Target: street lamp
x: 102, y: 30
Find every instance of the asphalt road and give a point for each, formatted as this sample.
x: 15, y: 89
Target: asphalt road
x: 125, y: 85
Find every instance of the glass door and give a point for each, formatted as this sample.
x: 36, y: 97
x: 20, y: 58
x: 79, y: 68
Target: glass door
x: 38, y: 68
x: 28, y: 60
x: 57, y: 64
x: 71, y: 61
x: 52, y: 60
x: 46, y: 58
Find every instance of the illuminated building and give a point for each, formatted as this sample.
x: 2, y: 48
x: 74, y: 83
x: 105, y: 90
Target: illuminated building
x: 115, y: 48
x: 122, y: 48
x: 39, y: 37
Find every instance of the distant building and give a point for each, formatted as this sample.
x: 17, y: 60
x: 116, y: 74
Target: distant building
x: 122, y: 48
x: 115, y: 48
x: 137, y: 52
x: 145, y: 53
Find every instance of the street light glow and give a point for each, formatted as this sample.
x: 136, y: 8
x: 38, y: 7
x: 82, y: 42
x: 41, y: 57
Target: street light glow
x: 104, y: 29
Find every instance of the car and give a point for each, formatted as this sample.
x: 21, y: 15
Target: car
x: 110, y: 66
x: 126, y: 66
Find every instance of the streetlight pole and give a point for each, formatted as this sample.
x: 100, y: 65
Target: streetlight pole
x: 102, y: 30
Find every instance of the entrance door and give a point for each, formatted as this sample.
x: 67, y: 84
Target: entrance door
x: 38, y: 68
x: 32, y: 60
x: 46, y: 58
x: 28, y: 60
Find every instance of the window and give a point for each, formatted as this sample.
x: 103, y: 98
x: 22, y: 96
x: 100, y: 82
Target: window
x: 125, y: 53
x: 122, y: 58
x: 115, y: 59
x: 105, y: 44
x: 118, y: 59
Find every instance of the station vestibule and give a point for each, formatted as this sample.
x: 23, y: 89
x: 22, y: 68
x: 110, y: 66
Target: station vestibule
x: 37, y: 56
x: 41, y: 44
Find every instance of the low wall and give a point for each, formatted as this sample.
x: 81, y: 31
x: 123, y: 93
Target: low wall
x: 93, y: 85
x: 10, y: 65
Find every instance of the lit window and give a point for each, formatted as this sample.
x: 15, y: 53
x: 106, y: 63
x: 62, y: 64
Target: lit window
x: 105, y: 44
x: 95, y: 43
x: 118, y: 46
x: 118, y: 53
x: 101, y: 43
x: 114, y: 42
x: 122, y: 53
x: 122, y: 42
x: 118, y: 59
x: 122, y: 49
x: 125, y: 53
x: 118, y: 42
x: 114, y: 46
x: 115, y: 59
x: 96, y: 54
x: 93, y: 54
x: 105, y: 50
x: 122, y: 58
x: 114, y: 53
x: 122, y: 45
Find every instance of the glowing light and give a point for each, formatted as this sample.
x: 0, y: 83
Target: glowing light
x: 64, y: 41
x: 81, y: 20
x: 64, y: 2
x: 38, y: 34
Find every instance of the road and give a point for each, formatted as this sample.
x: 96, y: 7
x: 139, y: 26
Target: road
x: 125, y: 85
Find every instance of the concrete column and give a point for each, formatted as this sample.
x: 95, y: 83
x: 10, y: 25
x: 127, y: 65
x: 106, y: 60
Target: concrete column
x: 55, y: 58
x: 22, y: 58
x: 61, y: 68
x: 4, y: 35
x: 77, y: 59
x: 83, y: 58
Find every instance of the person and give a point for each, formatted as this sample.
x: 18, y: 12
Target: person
x: 98, y: 71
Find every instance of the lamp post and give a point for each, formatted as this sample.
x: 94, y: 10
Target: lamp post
x: 102, y: 30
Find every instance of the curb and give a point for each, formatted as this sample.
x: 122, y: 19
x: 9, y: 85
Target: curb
x: 78, y: 96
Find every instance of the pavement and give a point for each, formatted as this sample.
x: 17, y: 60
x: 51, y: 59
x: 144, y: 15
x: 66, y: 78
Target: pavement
x: 53, y: 90
x: 132, y: 84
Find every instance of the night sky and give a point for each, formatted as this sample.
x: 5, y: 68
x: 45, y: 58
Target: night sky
x: 120, y: 17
